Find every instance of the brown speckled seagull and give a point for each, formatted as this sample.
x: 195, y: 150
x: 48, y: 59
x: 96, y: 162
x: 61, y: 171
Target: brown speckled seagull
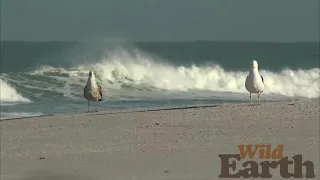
x: 92, y: 91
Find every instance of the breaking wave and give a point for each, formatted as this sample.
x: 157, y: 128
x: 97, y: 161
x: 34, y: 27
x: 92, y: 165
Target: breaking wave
x: 9, y: 95
x: 130, y: 73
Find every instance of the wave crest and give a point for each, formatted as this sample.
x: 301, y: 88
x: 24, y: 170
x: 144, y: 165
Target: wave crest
x: 121, y: 68
x: 125, y: 74
x: 10, y: 95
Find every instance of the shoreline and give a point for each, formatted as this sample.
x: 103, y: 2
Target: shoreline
x: 147, y: 109
x: 181, y: 143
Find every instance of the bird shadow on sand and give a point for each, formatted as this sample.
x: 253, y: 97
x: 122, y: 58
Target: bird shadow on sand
x: 92, y: 111
x: 253, y: 105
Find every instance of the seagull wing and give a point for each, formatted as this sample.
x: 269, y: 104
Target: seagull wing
x: 262, y: 79
x: 85, y: 89
x: 100, y: 90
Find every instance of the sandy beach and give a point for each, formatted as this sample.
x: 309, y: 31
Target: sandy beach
x: 179, y: 144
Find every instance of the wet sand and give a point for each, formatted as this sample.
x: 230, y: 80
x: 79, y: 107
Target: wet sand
x: 178, y: 144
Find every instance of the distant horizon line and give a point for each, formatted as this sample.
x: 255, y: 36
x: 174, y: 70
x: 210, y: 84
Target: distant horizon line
x: 186, y: 41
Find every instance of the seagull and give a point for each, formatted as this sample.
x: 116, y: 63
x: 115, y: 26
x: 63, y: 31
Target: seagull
x: 92, y: 91
x: 254, y: 81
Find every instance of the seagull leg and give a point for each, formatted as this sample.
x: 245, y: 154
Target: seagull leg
x: 96, y: 107
x: 88, y: 106
x: 250, y: 99
x: 259, y: 96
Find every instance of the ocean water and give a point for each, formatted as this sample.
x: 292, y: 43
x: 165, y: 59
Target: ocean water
x: 40, y: 78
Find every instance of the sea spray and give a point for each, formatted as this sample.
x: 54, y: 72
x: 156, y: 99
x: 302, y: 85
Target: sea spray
x: 179, y: 74
x: 8, y: 95
x: 136, y: 72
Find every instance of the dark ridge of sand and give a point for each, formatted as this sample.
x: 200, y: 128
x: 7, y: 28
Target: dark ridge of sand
x: 181, y: 143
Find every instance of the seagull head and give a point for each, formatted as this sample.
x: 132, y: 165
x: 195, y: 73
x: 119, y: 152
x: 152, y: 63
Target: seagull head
x: 91, y: 74
x: 254, y: 64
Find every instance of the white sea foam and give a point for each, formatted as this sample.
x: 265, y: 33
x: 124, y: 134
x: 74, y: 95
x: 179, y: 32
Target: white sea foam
x: 8, y: 95
x: 137, y: 70
x: 13, y: 115
x: 123, y: 67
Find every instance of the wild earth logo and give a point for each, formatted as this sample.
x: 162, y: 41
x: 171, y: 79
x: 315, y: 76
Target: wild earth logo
x: 272, y: 159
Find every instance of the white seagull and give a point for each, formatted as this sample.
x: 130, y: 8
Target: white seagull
x: 92, y: 91
x: 254, y: 81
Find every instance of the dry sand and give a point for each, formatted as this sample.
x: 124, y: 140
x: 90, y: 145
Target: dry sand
x: 181, y: 144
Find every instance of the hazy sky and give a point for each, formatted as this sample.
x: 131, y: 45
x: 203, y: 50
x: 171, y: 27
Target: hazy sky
x: 160, y: 20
